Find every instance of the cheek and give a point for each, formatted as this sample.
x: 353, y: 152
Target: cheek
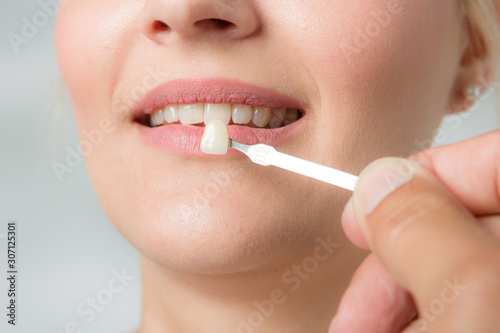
x: 385, y: 69
x: 376, y: 38
x: 91, y: 41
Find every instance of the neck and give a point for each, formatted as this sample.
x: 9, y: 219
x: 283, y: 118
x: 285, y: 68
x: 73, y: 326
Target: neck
x: 295, y: 297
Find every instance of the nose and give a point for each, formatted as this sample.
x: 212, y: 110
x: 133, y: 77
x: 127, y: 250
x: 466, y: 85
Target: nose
x: 225, y: 19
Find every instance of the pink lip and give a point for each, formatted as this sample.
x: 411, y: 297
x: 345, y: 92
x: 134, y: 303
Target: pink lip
x: 185, y: 139
x: 213, y: 91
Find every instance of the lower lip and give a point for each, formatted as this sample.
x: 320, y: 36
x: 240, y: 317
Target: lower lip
x: 185, y: 139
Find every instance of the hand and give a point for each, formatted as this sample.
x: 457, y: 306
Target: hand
x: 433, y: 226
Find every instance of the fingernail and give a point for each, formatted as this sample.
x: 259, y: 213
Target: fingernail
x: 332, y: 326
x: 351, y: 226
x: 348, y: 213
x: 380, y: 179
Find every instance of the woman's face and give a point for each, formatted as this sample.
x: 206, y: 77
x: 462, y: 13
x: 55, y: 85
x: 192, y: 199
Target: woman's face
x: 371, y: 78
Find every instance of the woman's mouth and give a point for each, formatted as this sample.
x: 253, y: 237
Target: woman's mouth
x: 172, y: 117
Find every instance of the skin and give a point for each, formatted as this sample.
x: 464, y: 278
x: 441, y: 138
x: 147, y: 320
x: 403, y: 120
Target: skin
x: 458, y: 216
x: 211, y: 262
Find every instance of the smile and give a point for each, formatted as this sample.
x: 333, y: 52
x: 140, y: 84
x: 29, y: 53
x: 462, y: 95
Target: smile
x: 172, y: 116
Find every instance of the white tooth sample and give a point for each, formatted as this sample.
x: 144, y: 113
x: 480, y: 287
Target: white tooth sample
x: 215, y: 139
x: 171, y: 113
x: 291, y: 115
x: 277, y: 117
x: 157, y: 118
x: 217, y: 111
x: 261, y: 116
x: 191, y: 113
x: 241, y: 114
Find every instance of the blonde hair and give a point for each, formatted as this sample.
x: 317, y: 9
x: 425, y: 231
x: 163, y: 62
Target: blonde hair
x: 484, y: 28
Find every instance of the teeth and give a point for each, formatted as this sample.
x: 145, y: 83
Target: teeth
x: 291, y: 115
x: 277, y: 118
x: 218, y: 111
x: 261, y: 116
x: 242, y: 114
x: 215, y: 139
x: 171, y: 113
x: 190, y: 114
x: 157, y: 118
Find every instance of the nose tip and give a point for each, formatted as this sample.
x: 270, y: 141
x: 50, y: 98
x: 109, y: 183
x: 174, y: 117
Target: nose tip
x: 230, y: 19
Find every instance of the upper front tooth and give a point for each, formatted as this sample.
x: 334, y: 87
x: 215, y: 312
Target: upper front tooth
x: 171, y: 113
x: 217, y: 111
x: 261, y: 116
x: 191, y: 113
x: 242, y: 114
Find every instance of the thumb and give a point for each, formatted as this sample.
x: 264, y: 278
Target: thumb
x: 422, y: 235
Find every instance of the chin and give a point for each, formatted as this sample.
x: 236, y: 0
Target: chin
x: 216, y: 223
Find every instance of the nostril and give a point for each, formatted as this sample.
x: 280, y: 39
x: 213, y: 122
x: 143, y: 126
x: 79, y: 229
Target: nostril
x: 160, y: 26
x: 214, y: 23
x: 222, y: 24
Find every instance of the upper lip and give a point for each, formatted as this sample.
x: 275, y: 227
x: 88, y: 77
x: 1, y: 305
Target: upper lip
x: 216, y: 91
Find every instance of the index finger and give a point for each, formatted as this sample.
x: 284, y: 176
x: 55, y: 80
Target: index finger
x: 470, y: 170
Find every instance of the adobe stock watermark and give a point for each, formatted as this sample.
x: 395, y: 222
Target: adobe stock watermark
x: 92, y: 306
x: 292, y: 278
x: 456, y: 120
x: 90, y: 139
x: 205, y: 192
x: 380, y: 20
x: 32, y: 25
x: 74, y: 157
x: 151, y: 79
x: 437, y: 306
x: 402, y: 175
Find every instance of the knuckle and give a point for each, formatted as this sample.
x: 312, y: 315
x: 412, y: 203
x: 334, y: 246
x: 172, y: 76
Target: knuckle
x: 480, y: 278
x: 399, y: 222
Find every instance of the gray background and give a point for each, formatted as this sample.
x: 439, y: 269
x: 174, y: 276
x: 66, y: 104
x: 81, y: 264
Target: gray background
x: 68, y: 250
